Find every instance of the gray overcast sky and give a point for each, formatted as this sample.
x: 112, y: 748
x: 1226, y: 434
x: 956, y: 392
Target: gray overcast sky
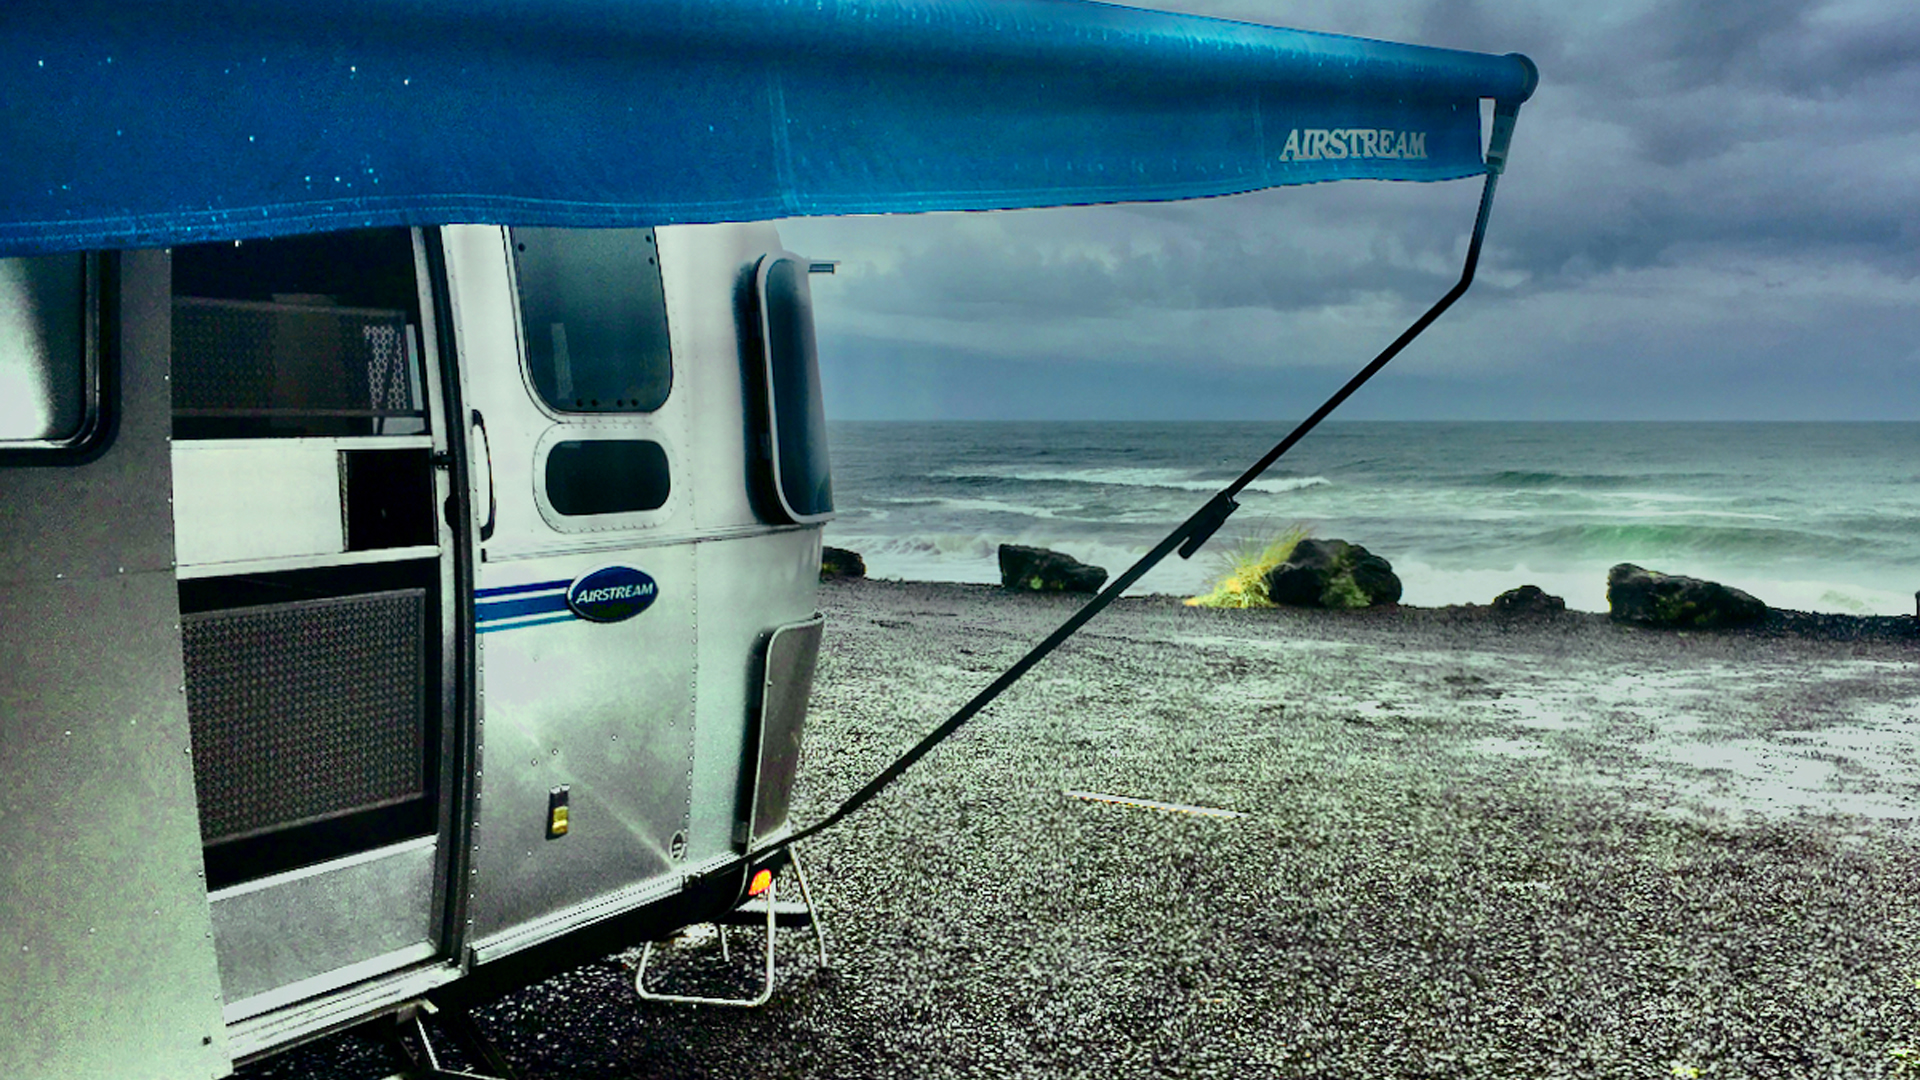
x: 1709, y: 214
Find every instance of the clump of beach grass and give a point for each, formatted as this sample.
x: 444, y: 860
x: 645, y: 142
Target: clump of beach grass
x: 1243, y: 570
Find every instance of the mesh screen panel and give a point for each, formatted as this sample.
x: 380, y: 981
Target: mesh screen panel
x: 240, y: 355
x: 306, y: 711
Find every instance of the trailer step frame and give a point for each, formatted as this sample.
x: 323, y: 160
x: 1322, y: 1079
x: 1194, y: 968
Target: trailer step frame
x: 460, y: 1027
x: 767, y: 911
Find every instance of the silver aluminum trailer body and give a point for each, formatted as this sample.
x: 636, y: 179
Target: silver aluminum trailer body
x: 246, y: 704
x: 97, y: 792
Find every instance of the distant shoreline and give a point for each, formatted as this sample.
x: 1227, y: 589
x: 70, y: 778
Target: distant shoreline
x: 1779, y: 623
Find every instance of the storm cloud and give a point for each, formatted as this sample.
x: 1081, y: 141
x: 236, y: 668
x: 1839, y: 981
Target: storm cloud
x: 1709, y: 213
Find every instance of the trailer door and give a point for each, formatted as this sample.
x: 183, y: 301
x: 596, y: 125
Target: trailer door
x: 585, y: 591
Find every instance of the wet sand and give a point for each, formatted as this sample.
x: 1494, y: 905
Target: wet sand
x: 1469, y: 846
x: 1806, y: 715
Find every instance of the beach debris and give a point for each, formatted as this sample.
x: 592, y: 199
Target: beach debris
x: 1529, y: 600
x: 1332, y: 574
x: 1243, y: 572
x: 1154, y: 804
x: 1650, y: 598
x: 841, y: 563
x: 1038, y: 570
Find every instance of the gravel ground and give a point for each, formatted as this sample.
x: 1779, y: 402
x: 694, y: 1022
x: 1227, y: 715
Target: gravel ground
x: 1471, y: 846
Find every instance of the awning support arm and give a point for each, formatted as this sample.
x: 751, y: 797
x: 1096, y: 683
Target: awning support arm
x: 1191, y: 534
x: 1203, y: 524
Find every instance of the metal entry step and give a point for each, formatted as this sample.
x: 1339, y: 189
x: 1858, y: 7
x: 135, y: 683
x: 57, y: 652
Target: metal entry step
x: 767, y: 911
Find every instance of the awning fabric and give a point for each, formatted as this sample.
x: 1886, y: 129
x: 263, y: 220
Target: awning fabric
x: 130, y: 124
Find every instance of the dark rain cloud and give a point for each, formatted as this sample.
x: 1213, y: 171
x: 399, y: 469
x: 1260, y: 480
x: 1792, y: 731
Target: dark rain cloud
x: 1722, y: 190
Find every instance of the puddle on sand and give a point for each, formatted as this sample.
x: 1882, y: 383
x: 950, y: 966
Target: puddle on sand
x: 1680, y: 726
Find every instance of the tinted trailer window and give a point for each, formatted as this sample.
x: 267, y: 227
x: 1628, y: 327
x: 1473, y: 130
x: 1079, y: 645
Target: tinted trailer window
x: 594, y: 318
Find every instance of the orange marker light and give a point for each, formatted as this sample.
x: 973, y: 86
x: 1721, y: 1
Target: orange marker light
x: 762, y: 881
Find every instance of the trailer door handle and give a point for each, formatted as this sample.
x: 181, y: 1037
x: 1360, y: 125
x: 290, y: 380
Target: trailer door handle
x: 486, y: 455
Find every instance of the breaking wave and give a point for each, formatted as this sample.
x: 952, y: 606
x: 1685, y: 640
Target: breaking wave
x: 1464, y: 512
x: 1520, y: 478
x: 1647, y: 540
x: 1174, y: 479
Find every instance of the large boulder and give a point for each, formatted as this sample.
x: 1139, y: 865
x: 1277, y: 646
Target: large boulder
x: 839, y: 562
x: 1332, y: 574
x: 1039, y: 570
x: 1650, y: 598
x: 1528, y: 600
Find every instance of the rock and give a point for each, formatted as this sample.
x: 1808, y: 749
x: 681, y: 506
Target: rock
x: 1332, y: 574
x: 1528, y: 600
x: 1651, y: 598
x: 839, y: 562
x: 1039, y: 570
x: 1375, y: 577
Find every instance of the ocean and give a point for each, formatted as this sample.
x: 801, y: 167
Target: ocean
x: 1809, y: 516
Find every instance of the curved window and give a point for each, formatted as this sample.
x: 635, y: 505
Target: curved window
x: 594, y: 318
x: 607, y: 476
x: 796, y: 418
x: 49, y: 396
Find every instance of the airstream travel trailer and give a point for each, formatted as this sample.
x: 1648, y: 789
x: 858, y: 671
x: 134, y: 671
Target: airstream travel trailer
x: 631, y: 578
x: 411, y: 453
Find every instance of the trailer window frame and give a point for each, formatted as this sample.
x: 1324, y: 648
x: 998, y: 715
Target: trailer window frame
x: 92, y: 429
x: 666, y: 491
x: 794, y: 472
x: 646, y: 313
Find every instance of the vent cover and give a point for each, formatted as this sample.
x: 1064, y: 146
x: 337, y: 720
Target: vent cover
x: 306, y: 711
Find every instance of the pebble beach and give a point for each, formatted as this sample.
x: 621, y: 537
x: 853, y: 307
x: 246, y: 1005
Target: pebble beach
x: 1440, y: 843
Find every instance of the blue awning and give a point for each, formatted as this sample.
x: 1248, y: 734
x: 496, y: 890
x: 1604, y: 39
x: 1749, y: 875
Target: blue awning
x: 130, y: 124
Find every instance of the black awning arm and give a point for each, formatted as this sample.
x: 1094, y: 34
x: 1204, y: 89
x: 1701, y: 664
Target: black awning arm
x: 1194, y: 532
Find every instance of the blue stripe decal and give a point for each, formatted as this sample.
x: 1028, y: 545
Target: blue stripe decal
x: 509, y: 590
x: 511, y: 609
x: 568, y: 617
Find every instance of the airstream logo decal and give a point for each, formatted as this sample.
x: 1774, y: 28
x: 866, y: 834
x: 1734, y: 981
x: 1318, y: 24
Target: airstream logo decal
x: 611, y: 594
x: 1316, y: 144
